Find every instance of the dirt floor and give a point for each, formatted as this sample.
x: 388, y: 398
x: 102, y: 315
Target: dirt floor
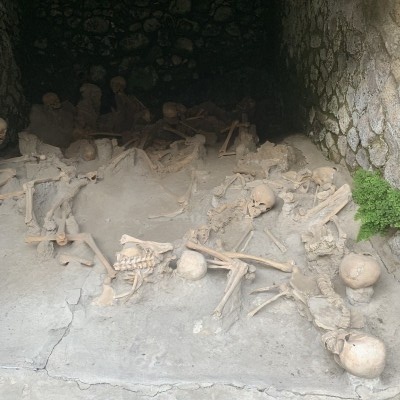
x: 57, y: 342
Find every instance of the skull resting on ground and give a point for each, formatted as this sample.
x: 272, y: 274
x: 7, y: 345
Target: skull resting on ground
x: 51, y: 100
x: 118, y: 84
x: 358, y: 353
x: 262, y: 199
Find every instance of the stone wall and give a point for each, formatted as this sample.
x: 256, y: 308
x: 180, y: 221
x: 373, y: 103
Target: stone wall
x: 163, y: 48
x: 345, y: 55
x: 12, y: 102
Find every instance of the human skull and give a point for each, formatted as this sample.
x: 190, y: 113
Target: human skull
x: 170, y: 110
x: 51, y: 100
x: 3, y: 130
x: 359, y: 270
x: 262, y: 199
x: 358, y: 353
x: 118, y: 84
x: 91, y: 92
x: 192, y: 265
x: 323, y: 175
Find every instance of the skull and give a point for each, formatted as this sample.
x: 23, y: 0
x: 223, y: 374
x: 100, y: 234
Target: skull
x: 170, y: 110
x: 3, y: 130
x: 358, y: 353
x: 118, y: 84
x: 51, y: 101
x: 262, y: 199
x: 91, y: 92
x: 192, y: 265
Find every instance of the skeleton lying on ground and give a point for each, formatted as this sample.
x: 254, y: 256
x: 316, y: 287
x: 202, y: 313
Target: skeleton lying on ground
x: 238, y: 269
x: 139, y: 259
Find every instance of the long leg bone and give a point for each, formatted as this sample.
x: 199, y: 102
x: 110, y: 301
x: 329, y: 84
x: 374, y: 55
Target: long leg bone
x: 8, y: 174
x: 278, y: 244
x: 332, y: 205
x: 228, y: 256
x: 222, y: 151
x: 11, y: 195
x: 248, y: 230
x: 285, y: 292
x: 238, y: 270
x: 285, y: 267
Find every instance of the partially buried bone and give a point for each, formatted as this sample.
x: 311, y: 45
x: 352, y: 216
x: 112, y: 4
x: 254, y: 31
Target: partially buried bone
x: 85, y: 237
x: 330, y: 207
x: 277, y: 243
x: 6, y: 175
x: 65, y: 259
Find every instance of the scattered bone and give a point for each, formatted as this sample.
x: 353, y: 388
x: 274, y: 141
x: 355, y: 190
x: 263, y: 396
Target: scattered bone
x: 106, y: 298
x: 330, y: 207
x: 6, y: 175
x: 277, y: 243
x: 220, y: 190
x: 12, y: 195
x: 222, y: 151
x: 64, y: 259
x: 249, y: 229
x: 84, y: 237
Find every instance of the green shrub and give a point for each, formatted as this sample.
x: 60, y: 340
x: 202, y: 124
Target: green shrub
x: 379, y: 204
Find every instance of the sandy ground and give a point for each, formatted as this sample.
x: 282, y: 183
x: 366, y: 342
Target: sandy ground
x: 163, y: 343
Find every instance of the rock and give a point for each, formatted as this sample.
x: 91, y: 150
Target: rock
x: 342, y: 145
x: 332, y: 126
x: 376, y: 116
x: 362, y: 159
x: 378, y: 151
x: 135, y: 41
x: 365, y: 133
x: 180, y: 6
x: 151, y: 25
x: 97, y: 25
x: 223, y: 14
x: 184, y: 44
x: 344, y: 119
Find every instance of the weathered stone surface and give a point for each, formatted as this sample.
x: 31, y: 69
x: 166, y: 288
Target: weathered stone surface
x: 151, y: 25
x: 351, y: 160
x: 134, y: 42
x: 334, y: 154
x: 353, y: 139
x: 180, y: 6
x: 223, y: 14
x: 333, y: 105
x: 344, y: 119
x: 364, y: 131
x: 362, y: 159
x: 332, y: 126
x: 378, y: 151
x: 342, y: 145
x: 329, y: 140
x: 376, y: 116
x: 362, y: 96
x: 96, y: 25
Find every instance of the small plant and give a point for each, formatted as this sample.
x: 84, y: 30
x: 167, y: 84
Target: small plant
x: 379, y: 204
